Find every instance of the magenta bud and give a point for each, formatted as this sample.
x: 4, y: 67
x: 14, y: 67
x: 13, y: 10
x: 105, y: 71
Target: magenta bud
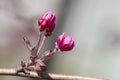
x: 42, y: 24
x: 49, y: 30
x: 65, y: 43
x: 47, y: 21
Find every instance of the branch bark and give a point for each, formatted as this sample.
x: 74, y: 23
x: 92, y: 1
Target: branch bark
x: 44, y: 75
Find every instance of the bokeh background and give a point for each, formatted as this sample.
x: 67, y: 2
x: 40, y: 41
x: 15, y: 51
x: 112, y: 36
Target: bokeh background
x: 94, y: 24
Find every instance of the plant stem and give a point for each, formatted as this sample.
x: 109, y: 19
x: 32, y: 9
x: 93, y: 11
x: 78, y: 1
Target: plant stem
x: 40, y: 46
x: 27, y: 43
x: 44, y: 75
x: 48, y: 54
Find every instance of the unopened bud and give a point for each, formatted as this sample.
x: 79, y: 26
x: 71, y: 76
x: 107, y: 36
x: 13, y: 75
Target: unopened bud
x: 47, y: 22
x: 65, y: 43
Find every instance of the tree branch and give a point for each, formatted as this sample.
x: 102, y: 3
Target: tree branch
x: 44, y: 75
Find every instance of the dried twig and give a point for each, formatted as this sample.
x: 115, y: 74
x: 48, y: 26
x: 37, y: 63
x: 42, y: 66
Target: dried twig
x: 44, y: 75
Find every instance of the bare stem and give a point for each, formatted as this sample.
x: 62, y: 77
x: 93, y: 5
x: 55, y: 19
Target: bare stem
x: 38, y: 44
x: 44, y: 75
x: 48, y: 54
x: 42, y: 42
x: 27, y: 43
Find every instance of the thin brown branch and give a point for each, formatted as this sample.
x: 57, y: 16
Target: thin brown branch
x: 44, y: 75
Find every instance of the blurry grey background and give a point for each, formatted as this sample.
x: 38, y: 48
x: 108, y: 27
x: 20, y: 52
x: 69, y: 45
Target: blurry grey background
x: 94, y: 24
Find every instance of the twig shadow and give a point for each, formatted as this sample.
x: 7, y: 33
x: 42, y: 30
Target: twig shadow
x: 44, y: 75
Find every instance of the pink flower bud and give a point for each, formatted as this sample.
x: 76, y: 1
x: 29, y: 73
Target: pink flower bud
x: 49, y: 30
x: 47, y: 21
x: 65, y: 43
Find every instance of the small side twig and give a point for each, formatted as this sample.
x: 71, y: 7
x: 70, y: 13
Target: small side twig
x: 44, y: 75
x: 27, y: 43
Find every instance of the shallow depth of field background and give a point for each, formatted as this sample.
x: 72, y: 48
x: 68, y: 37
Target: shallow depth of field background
x: 94, y: 25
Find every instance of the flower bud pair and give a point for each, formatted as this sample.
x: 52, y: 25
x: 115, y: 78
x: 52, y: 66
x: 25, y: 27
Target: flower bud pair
x: 47, y: 22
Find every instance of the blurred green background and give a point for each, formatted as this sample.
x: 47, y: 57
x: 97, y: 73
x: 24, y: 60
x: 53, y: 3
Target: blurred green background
x: 94, y: 25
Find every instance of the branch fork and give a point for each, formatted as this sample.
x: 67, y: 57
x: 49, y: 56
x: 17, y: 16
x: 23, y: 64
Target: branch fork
x: 36, y: 59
